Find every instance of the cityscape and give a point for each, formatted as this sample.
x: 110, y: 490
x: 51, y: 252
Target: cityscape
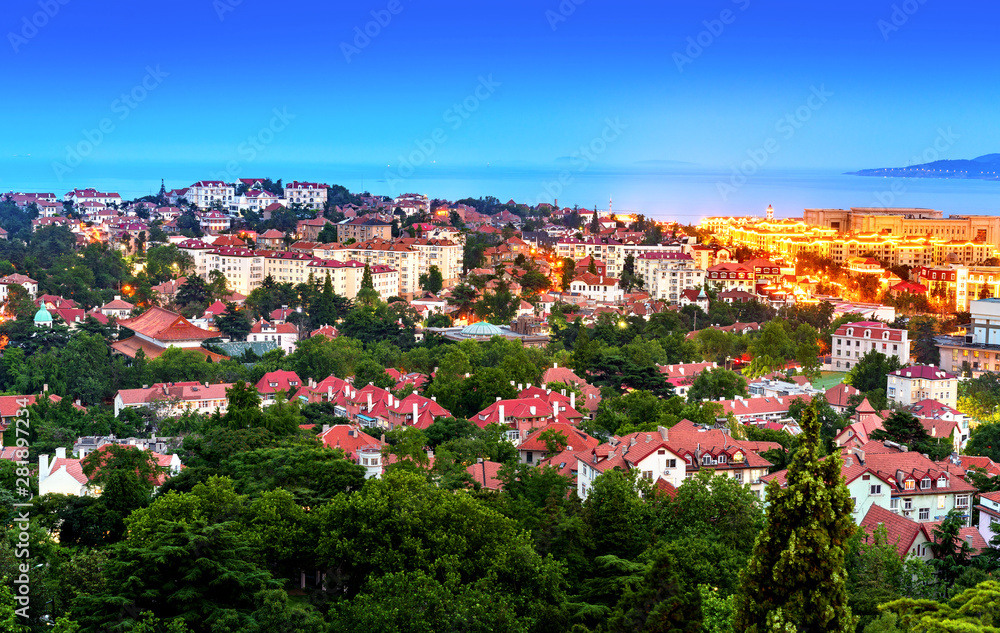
x: 438, y: 345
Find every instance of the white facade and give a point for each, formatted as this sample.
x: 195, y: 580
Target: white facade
x: 243, y: 269
x: 852, y: 341
x: 602, y: 289
x: 910, y: 385
x: 204, y: 192
x: 309, y: 194
x: 667, y: 277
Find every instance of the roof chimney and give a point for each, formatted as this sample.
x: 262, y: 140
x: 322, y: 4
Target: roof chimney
x: 572, y: 399
x: 415, y: 415
x: 502, y: 417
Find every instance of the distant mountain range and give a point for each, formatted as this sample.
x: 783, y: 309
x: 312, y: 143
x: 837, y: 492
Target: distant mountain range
x: 982, y: 168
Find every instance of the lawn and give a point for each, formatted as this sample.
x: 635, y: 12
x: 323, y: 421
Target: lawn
x: 829, y: 379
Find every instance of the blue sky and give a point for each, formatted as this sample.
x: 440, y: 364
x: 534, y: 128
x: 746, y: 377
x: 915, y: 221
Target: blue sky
x: 562, y: 72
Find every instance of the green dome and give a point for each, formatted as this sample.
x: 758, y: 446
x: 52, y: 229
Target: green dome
x: 481, y: 329
x: 43, y: 315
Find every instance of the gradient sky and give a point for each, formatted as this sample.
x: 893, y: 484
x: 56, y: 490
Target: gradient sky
x: 558, y: 85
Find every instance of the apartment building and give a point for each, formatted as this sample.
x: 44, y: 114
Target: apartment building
x: 978, y: 350
x: 198, y: 250
x: 205, y: 192
x: 255, y: 200
x: 346, y: 277
x: 445, y: 254
x: 311, y: 195
x: 364, y: 229
x: 597, y: 288
x: 400, y: 257
x: 82, y: 196
x: 243, y: 268
x: 915, y: 383
x: 287, y: 266
x: 852, y: 341
x: 668, y: 275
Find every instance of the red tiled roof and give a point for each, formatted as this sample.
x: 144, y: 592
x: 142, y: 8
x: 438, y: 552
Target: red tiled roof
x: 163, y: 325
x: 280, y: 380
x: 485, y: 474
x: 349, y: 439
x: 901, y: 531
x: 576, y: 440
x: 925, y: 372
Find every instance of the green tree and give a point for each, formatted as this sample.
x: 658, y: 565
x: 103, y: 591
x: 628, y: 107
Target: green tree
x: 770, y: 351
x: 234, y: 322
x: 661, y: 603
x: 985, y: 441
x: 717, y: 384
x: 797, y: 566
x: 870, y: 372
x: 972, y: 611
x: 432, y: 280
x: 366, y: 279
x: 951, y: 552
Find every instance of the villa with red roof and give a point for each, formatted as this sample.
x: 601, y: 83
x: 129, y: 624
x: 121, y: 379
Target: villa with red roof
x: 26, y: 282
x: 486, y: 474
x: 747, y: 410
x: 533, y: 450
x: 852, y: 341
x: 118, y: 308
x: 358, y: 447
x: 274, y: 381
x: 591, y: 394
x: 858, y: 433
x: 912, y: 538
x: 415, y: 410
x: 286, y: 335
x: 157, y: 329
x: 64, y: 475
x: 989, y: 515
x: 175, y: 398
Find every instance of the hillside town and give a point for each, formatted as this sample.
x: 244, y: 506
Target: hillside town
x: 260, y: 350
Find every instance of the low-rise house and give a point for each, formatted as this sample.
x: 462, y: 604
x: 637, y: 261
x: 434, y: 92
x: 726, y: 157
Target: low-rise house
x: 839, y: 397
x: 29, y: 284
x: 286, y: 335
x: 912, y: 538
x: 272, y: 382
x: 170, y: 399
x: 486, y: 474
x: 989, y: 515
x: 533, y: 450
x: 358, y: 447
x: 858, y: 433
x: 597, y: 288
x: 118, y: 308
x: 415, y: 410
x: 760, y: 408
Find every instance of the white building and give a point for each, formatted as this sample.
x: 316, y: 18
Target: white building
x: 29, y: 284
x: 255, y: 200
x: 852, y: 341
x: 989, y: 515
x: 286, y: 335
x: 912, y: 384
x: 243, y: 268
x: 198, y: 250
x: 205, y: 192
x: 668, y: 275
x: 309, y: 194
x: 597, y: 288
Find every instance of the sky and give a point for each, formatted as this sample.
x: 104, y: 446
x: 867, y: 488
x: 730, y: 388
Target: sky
x: 249, y: 85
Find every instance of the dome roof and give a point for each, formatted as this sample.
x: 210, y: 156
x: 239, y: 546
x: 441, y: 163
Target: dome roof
x: 43, y: 315
x: 481, y: 328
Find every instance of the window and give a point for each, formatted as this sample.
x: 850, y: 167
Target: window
x: 531, y: 457
x: 723, y: 459
x: 707, y: 460
x: 907, y: 504
x: 671, y: 463
x: 962, y: 501
x: 942, y: 481
x: 894, y: 504
x: 909, y: 484
x: 940, y: 502
x: 876, y: 489
x: 647, y: 474
x: 738, y: 476
x: 924, y: 514
x: 925, y: 483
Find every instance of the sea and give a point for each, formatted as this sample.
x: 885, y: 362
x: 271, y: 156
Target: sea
x: 674, y: 192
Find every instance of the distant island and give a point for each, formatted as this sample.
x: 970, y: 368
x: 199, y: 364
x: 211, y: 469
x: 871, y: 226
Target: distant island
x: 982, y: 168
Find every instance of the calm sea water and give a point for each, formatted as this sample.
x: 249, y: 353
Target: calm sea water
x: 682, y: 193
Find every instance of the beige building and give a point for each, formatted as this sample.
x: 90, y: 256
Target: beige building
x: 852, y: 341
x: 287, y: 266
x: 205, y: 192
x: 444, y: 254
x: 399, y: 257
x: 912, y: 384
x: 346, y: 277
x: 362, y: 230
x: 243, y: 268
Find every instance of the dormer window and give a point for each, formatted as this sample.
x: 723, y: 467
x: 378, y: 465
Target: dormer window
x: 722, y: 459
x: 910, y: 484
x: 942, y: 481
x: 707, y: 460
x: 925, y: 483
x: 687, y: 458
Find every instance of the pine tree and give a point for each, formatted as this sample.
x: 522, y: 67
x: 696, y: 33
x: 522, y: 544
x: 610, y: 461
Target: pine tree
x: 366, y: 279
x: 797, y: 567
